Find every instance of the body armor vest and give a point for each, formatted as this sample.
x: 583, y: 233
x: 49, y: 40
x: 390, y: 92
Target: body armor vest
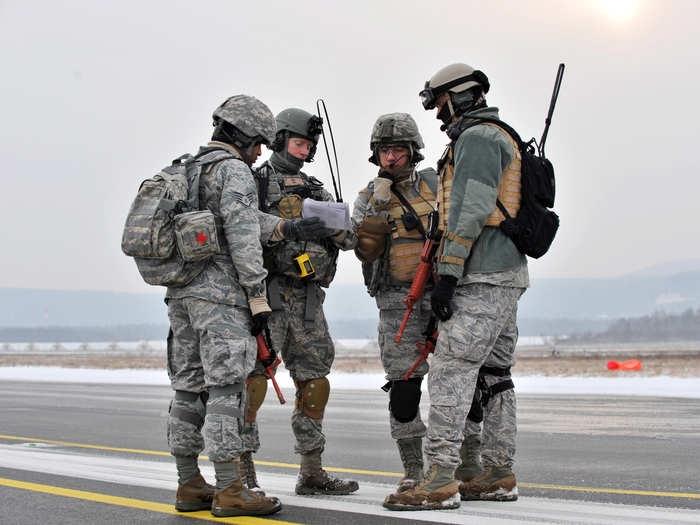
x: 275, y: 199
x: 508, y: 189
x: 406, y: 245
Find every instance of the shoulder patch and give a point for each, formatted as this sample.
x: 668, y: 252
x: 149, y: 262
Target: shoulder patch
x: 246, y: 199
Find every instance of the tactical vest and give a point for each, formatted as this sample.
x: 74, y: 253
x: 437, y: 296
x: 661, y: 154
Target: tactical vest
x: 406, y: 245
x: 508, y: 189
x: 279, y: 259
x: 397, y: 267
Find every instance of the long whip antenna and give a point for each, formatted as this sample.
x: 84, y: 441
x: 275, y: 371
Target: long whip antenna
x: 338, y: 190
x: 552, y: 103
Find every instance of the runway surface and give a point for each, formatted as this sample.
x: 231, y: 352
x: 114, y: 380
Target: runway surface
x: 86, y: 454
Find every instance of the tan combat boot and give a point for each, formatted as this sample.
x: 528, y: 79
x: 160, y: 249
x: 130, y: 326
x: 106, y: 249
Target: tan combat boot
x: 314, y: 480
x: 411, y: 452
x: 470, y: 454
x: 247, y: 473
x: 196, y: 494
x: 236, y: 500
x: 495, y: 484
x: 439, y: 490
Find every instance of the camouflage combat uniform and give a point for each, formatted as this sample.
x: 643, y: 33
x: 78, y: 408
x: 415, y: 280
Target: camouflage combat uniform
x: 209, y: 345
x: 492, y: 275
x: 298, y: 327
x: 390, y: 288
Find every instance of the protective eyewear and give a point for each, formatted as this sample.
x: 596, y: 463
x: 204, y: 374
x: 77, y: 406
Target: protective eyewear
x: 428, y: 96
x: 393, y: 148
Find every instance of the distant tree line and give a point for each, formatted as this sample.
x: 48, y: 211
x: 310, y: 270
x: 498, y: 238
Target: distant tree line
x: 659, y: 326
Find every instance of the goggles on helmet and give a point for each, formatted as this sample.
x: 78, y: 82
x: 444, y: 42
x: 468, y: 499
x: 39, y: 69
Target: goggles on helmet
x: 429, y: 95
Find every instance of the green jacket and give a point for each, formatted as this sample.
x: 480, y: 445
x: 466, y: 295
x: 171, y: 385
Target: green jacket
x: 481, y: 155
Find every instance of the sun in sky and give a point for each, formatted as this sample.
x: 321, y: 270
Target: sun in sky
x: 619, y: 10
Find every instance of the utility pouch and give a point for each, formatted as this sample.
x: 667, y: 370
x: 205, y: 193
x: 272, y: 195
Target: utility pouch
x: 196, y: 235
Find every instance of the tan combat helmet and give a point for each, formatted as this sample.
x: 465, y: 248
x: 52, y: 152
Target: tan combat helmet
x: 454, y: 78
x: 395, y: 128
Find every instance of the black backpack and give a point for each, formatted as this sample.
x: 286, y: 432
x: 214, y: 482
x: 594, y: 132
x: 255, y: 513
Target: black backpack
x: 535, y: 226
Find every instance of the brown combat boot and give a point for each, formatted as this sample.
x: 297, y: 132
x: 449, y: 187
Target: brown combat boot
x: 236, y: 500
x: 314, y: 480
x: 495, y: 484
x: 411, y: 452
x: 196, y: 494
x: 247, y: 473
x: 439, y: 490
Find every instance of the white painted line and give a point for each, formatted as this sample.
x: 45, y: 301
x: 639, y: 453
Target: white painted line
x: 161, y: 475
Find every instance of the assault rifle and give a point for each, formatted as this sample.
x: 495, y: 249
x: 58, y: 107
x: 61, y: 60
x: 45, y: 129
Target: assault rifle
x: 426, y: 348
x: 423, y: 272
x: 268, y: 357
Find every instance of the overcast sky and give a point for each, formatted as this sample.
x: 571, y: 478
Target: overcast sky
x: 96, y: 96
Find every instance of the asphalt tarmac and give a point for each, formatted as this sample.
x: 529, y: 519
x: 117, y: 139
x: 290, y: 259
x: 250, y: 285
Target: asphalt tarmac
x: 91, y: 453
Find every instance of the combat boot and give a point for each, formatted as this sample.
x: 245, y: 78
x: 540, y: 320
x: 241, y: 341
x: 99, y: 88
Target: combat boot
x: 236, y: 500
x: 495, y: 484
x: 470, y: 454
x: 247, y: 473
x: 314, y: 480
x: 439, y: 490
x: 196, y: 494
x: 411, y: 452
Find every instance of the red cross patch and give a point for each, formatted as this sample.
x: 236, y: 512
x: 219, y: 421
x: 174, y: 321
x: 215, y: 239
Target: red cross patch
x: 201, y: 238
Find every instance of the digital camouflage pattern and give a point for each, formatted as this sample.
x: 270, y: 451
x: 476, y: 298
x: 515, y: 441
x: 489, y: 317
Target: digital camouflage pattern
x: 395, y: 127
x: 482, y: 331
x: 210, y: 346
x: 228, y: 190
x: 249, y: 115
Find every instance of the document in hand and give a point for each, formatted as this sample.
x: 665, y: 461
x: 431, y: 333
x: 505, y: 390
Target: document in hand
x: 335, y: 215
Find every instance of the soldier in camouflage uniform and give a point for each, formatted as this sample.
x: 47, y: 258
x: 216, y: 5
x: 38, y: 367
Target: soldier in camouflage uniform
x: 210, y: 347
x: 481, y: 277
x: 298, y: 327
x: 390, y: 238
x: 389, y: 245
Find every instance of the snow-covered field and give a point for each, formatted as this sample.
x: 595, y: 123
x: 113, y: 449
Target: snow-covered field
x: 635, y: 386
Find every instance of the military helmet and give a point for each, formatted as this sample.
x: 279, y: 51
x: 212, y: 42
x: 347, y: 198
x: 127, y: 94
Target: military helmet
x: 299, y: 122
x: 249, y: 116
x: 455, y: 78
x: 395, y: 128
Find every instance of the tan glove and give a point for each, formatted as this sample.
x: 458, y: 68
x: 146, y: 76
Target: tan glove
x: 382, y: 189
x: 371, y: 238
x: 258, y: 305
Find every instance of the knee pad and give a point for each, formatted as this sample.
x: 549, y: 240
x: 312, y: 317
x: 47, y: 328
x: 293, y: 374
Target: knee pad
x: 257, y: 388
x: 404, y: 398
x: 194, y: 410
x: 312, y: 396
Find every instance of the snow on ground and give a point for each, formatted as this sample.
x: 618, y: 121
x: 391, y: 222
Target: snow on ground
x: 664, y: 386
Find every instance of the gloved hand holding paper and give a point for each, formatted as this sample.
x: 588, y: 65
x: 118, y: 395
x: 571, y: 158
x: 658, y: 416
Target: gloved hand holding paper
x: 335, y: 215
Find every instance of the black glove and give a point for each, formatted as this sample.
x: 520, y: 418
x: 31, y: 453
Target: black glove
x: 442, y: 295
x: 259, y: 323
x: 305, y: 229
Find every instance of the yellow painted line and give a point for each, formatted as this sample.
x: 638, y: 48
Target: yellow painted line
x: 630, y: 492
x: 134, y: 503
x: 687, y: 495
x: 81, y: 445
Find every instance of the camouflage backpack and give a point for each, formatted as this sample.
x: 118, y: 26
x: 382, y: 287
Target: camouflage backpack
x: 170, y: 239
